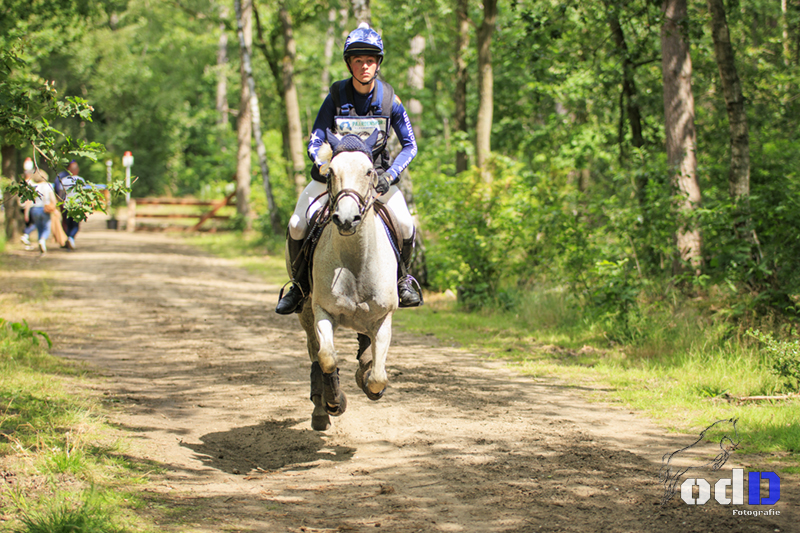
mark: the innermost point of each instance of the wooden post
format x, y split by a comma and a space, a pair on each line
131, 223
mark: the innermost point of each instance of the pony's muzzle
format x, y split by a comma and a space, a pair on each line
347, 216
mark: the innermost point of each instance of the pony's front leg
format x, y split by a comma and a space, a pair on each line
335, 400
320, 420
377, 379
324, 328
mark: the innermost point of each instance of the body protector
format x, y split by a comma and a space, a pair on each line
344, 111
378, 117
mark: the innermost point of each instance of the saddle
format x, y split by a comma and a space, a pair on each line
320, 220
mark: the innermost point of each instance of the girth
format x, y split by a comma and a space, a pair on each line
320, 220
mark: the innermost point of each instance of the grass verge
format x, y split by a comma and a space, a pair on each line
63, 467
684, 371
685, 375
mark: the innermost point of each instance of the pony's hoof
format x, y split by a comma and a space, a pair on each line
340, 408
320, 423
371, 395
360, 371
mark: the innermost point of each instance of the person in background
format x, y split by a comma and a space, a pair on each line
41, 208
25, 207
66, 181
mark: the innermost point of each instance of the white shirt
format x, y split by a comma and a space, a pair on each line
44, 194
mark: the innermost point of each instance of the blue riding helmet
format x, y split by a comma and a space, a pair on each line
363, 41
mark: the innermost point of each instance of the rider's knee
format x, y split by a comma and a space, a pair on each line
297, 227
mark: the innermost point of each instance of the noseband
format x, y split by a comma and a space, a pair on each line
363, 203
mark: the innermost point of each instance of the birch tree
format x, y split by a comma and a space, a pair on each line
294, 127
483, 128
255, 113
362, 12
222, 75
244, 132
460, 97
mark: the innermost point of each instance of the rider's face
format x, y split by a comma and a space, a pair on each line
364, 67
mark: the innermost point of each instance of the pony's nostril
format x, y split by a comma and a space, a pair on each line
356, 219
336, 220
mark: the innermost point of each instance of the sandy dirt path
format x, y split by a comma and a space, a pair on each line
213, 386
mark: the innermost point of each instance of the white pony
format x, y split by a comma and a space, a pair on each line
354, 282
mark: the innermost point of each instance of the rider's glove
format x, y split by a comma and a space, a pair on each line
382, 186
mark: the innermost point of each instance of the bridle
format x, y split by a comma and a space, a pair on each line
363, 203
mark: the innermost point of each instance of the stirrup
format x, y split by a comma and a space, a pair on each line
409, 279
298, 307
293, 282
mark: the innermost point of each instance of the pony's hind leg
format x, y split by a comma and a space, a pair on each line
376, 379
364, 357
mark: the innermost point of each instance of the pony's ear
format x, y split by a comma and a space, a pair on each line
323, 159
371, 140
332, 139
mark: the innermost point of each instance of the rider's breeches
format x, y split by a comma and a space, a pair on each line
308, 204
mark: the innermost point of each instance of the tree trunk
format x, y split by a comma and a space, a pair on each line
628, 83
679, 125
362, 12
330, 40
294, 126
416, 82
483, 128
256, 119
460, 98
244, 132
14, 222
222, 75
787, 49
739, 177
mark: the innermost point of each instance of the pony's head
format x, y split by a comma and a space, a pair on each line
351, 179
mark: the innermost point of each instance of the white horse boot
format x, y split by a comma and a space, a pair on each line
292, 301
407, 294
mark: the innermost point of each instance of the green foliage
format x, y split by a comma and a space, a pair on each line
783, 358
30, 105
64, 513
24, 332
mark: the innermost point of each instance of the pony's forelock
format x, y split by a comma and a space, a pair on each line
324, 155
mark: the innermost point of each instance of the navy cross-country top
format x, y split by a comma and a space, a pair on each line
399, 122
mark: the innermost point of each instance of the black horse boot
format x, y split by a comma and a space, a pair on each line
320, 421
292, 301
408, 295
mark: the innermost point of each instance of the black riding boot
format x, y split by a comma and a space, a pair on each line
292, 301
408, 295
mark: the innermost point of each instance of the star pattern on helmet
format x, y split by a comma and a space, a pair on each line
372, 38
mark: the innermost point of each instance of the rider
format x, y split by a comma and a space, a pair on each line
361, 95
